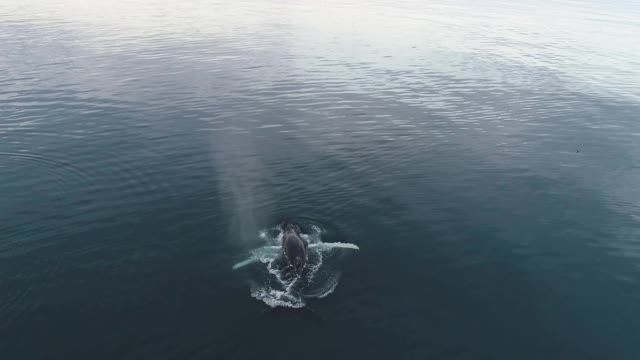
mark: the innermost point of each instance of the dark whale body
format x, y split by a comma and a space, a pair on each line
295, 248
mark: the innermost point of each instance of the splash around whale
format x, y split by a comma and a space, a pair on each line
274, 281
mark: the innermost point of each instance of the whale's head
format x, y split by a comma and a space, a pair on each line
292, 228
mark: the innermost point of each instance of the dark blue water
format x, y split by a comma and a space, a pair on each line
485, 158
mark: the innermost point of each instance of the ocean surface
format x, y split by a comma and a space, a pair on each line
467, 172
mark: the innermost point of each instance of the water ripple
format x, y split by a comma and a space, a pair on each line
144, 143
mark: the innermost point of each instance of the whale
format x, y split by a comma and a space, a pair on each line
292, 236
294, 247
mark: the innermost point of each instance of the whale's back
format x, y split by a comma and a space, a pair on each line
294, 247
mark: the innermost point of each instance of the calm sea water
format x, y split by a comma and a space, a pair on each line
485, 158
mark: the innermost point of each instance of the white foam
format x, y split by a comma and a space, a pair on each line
278, 239
313, 268
275, 298
329, 291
